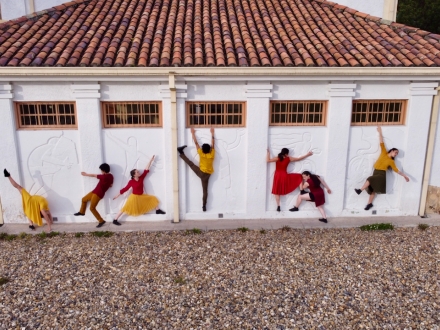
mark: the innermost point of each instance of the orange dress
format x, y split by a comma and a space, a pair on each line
283, 182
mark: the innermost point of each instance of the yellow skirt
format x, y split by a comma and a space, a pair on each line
32, 206
139, 204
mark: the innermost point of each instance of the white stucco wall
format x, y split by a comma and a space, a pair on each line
16, 8
372, 7
49, 162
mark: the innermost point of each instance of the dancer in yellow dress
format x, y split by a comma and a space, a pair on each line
138, 203
34, 207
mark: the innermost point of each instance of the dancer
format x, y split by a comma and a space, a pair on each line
205, 169
105, 182
316, 193
377, 183
34, 207
283, 182
138, 203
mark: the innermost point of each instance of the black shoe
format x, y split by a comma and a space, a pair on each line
323, 220
369, 206
159, 211
32, 227
204, 208
180, 149
294, 209
1, 224
79, 213
6, 173
100, 224
278, 209
302, 192
115, 222
358, 191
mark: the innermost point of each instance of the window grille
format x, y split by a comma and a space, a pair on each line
132, 114
39, 115
215, 114
374, 112
297, 113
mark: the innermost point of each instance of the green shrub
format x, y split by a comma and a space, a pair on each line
262, 231
3, 280
423, 226
377, 226
102, 233
42, 235
79, 234
3, 236
11, 237
53, 234
179, 280
23, 235
243, 229
285, 228
194, 231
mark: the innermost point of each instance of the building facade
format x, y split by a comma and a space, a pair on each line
84, 84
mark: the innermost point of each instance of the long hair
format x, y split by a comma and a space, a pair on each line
313, 177
132, 172
392, 149
284, 152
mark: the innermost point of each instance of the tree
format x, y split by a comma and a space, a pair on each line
423, 14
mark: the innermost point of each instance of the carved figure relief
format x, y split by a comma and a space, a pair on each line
48, 159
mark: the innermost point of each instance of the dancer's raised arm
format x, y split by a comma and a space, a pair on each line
193, 133
297, 159
149, 164
270, 160
212, 137
379, 129
89, 175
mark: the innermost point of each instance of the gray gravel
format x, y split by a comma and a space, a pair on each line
295, 279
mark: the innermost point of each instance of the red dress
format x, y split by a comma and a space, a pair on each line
318, 193
283, 182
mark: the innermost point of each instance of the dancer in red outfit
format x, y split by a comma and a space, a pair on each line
283, 182
316, 194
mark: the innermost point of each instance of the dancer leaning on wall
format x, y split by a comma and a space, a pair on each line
34, 207
205, 168
377, 183
138, 203
316, 194
283, 182
105, 182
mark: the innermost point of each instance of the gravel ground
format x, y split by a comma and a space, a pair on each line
291, 279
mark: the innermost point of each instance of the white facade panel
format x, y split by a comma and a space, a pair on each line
47, 91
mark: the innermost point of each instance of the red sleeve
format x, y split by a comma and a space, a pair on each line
143, 175
111, 179
128, 186
100, 176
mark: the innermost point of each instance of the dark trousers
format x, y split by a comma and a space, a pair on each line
202, 175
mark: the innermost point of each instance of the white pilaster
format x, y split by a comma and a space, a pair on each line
167, 114
10, 197
257, 127
338, 134
413, 157
88, 114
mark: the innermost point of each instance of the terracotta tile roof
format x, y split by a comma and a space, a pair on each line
212, 33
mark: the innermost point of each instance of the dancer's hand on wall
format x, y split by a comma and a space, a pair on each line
329, 190
310, 153
83, 173
406, 178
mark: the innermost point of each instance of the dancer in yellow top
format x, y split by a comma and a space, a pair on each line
377, 183
34, 207
205, 168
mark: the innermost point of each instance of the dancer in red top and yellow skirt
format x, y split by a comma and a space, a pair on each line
316, 194
377, 183
283, 182
34, 207
138, 203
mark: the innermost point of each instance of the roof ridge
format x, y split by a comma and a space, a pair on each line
379, 20
40, 13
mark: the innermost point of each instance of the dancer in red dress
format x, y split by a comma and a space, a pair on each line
283, 182
316, 194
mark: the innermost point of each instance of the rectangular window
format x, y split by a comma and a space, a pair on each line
374, 112
132, 114
218, 114
297, 113
39, 115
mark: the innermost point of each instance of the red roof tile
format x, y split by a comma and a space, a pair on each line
212, 33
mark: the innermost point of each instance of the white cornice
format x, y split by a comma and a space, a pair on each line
217, 73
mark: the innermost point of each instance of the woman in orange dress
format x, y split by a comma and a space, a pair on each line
34, 207
283, 182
